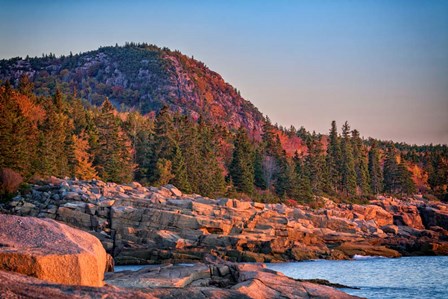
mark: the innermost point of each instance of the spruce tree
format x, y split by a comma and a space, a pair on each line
162, 144
315, 166
375, 172
407, 185
391, 173
113, 154
348, 165
212, 181
190, 145
259, 180
334, 159
361, 163
180, 179
304, 193
285, 178
241, 168
54, 140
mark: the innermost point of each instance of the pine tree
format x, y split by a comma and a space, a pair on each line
407, 185
285, 178
212, 181
361, 164
315, 166
334, 159
113, 158
348, 165
375, 172
241, 168
391, 173
180, 179
304, 192
54, 140
162, 144
189, 143
259, 180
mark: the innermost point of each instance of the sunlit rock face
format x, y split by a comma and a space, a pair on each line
51, 251
148, 225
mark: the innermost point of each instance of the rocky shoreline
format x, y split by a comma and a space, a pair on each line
70, 229
140, 225
42, 258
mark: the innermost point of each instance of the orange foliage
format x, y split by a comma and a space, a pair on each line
291, 144
30, 110
419, 176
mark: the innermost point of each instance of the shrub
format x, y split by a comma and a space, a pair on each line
9, 182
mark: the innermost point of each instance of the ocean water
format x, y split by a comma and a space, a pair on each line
401, 278
376, 277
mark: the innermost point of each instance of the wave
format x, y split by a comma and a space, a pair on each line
367, 257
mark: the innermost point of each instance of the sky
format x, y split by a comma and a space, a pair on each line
380, 65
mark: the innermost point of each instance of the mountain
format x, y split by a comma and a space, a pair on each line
62, 125
139, 76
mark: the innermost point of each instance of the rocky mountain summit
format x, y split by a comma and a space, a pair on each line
140, 225
139, 76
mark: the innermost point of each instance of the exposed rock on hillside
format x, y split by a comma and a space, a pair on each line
50, 251
145, 77
140, 225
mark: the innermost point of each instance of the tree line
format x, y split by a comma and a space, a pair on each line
62, 135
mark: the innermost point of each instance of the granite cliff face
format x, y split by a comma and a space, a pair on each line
140, 225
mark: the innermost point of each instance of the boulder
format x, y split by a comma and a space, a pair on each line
50, 251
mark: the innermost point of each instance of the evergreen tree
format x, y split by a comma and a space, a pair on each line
259, 180
315, 166
348, 165
241, 168
285, 182
334, 159
303, 188
375, 172
361, 164
190, 146
180, 179
162, 144
407, 185
391, 173
113, 158
54, 140
212, 181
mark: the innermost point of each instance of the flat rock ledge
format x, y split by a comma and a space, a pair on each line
198, 281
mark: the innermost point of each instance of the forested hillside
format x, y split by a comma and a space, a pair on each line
155, 116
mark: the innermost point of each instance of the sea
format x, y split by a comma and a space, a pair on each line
374, 277
399, 278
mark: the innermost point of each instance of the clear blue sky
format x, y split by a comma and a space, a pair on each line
381, 65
